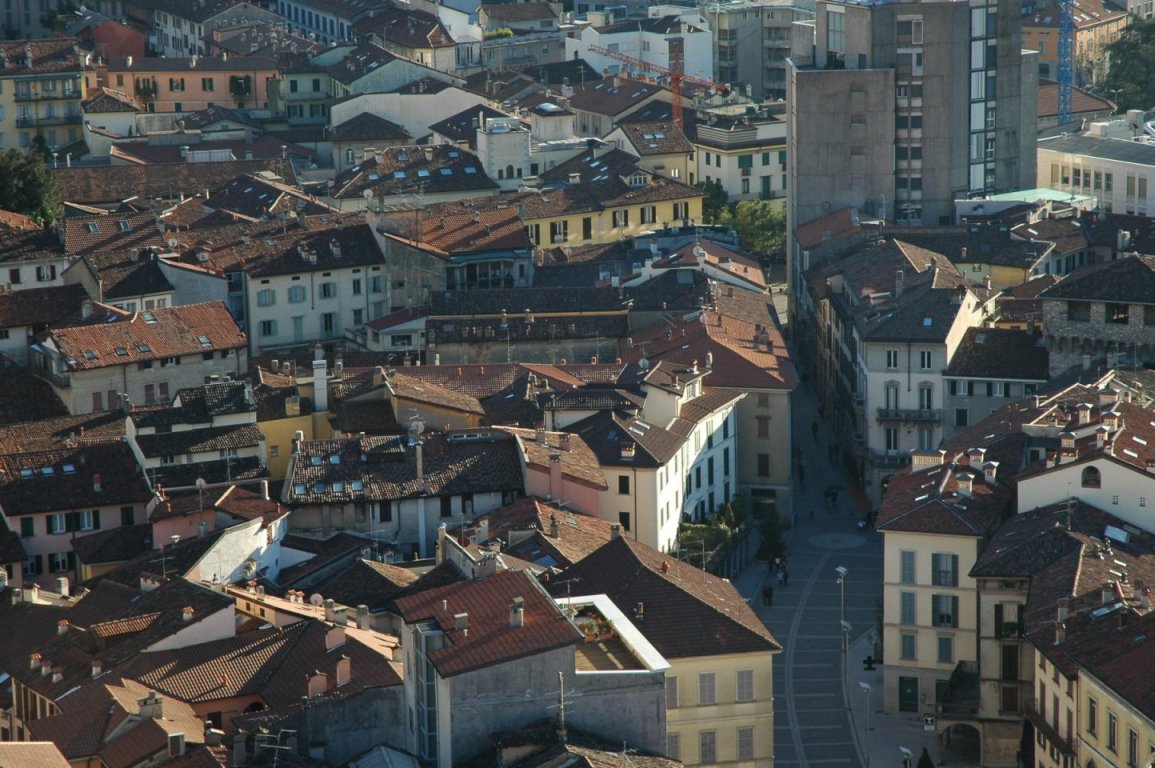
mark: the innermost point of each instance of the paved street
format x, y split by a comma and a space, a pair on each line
813, 724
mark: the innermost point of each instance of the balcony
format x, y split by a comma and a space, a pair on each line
30, 121
59, 379
45, 95
910, 414
889, 459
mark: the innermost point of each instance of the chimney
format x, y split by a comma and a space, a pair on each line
615, 531
539, 435
97, 667
1063, 609
57, 674
898, 283
96, 482
563, 441
362, 617
330, 609
344, 670
991, 472
320, 383
628, 450
1084, 411
334, 637
188, 613
1060, 633
62, 627
265, 490
34, 661
665, 566
517, 612
45, 667
555, 475
86, 309
151, 707
176, 744
965, 482
554, 530
461, 622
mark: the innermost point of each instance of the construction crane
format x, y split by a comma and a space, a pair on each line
1066, 58
677, 77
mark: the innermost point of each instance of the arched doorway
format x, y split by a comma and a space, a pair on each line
961, 743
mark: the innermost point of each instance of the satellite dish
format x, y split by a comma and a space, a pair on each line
316, 599
416, 427
644, 364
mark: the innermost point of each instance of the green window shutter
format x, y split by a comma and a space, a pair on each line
96, 519
38, 564
71, 560
27, 527
69, 522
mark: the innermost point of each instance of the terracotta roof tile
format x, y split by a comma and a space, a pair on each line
490, 639
39, 306
110, 184
83, 476
577, 460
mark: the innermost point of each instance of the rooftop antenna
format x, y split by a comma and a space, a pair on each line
268, 741
562, 736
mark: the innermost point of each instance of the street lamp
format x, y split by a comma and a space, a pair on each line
842, 571
1115, 91
866, 735
907, 755
845, 655
200, 483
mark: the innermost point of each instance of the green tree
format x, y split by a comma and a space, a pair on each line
761, 227
714, 206
1132, 66
26, 186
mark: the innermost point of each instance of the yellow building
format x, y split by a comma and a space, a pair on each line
41, 88
1097, 25
719, 699
604, 196
934, 519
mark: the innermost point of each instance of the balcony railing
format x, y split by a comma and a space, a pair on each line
46, 95
890, 459
59, 379
909, 414
29, 121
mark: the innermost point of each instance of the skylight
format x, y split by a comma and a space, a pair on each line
446, 171
69, 469
148, 317
398, 174
93, 228
299, 488
89, 354
422, 173
470, 169
316, 460
144, 348
357, 485
125, 226
338, 486
27, 473
121, 352
204, 340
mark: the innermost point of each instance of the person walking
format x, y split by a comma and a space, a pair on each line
768, 595
785, 578
814, 430
781, 576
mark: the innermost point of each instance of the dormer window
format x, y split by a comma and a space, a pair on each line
1092, 478
637, 180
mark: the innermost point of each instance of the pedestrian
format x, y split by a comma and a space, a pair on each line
768, 595
781, 577
785, 578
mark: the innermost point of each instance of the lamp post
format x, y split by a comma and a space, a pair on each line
201, 492
866, 732
505, 327
907, 756
1115, 104
842, 571
845, 655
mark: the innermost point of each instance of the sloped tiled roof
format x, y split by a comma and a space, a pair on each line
105, 184
399, 170
577, 460
369, 127
106, 100
70, 483
490, 639
152, 335
366, 582
999, 353
39, 306
1130, 280
526, 530
688, 612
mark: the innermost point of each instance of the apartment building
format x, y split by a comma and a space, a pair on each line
179, 29
193, 83
752, 43
1119, 172
1097, 25
42, 85
937, 102
719, 702
662, 41
116, 357
744, 152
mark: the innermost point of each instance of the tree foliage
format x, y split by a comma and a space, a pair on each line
715, 203
761, 227
26, 186
1132, 66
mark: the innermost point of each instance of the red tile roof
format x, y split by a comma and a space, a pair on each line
39, 306
151, 335
489, 638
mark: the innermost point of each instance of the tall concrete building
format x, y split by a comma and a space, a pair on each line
896, 109
752, 42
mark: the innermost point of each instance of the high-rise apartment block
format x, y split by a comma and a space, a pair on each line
897, 109
752, 42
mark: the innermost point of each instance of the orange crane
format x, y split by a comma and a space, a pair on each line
675, 74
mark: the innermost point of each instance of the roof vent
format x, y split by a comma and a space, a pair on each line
461, 622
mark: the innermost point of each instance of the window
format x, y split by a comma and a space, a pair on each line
1079, 311
1092, 478
1092, 716
624, 485
447, 506
925, 397
907, 649
945, 649
1132, 748
745, 685
763, 465
621, 219
208, 84
763, 426
707, 747
944, 610
961, 417
58, 562
944, 570
1112, 732
328, 290
706, 692
673, 746
906, 566
681, 210
87, 521
671, 693
266, 297
268, 328
558, 231
297, 294
624, 520
891, 438
328, 323
746, 743
1118, 314
27, 527
925, 358
356, 286
127, 516
34, 566
907, 608
892, 359
57, 523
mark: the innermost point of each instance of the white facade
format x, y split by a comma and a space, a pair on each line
503, 147
1123, 490
1119, 172
749, 163
34, 273
300, 308
414, 112
651, 47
